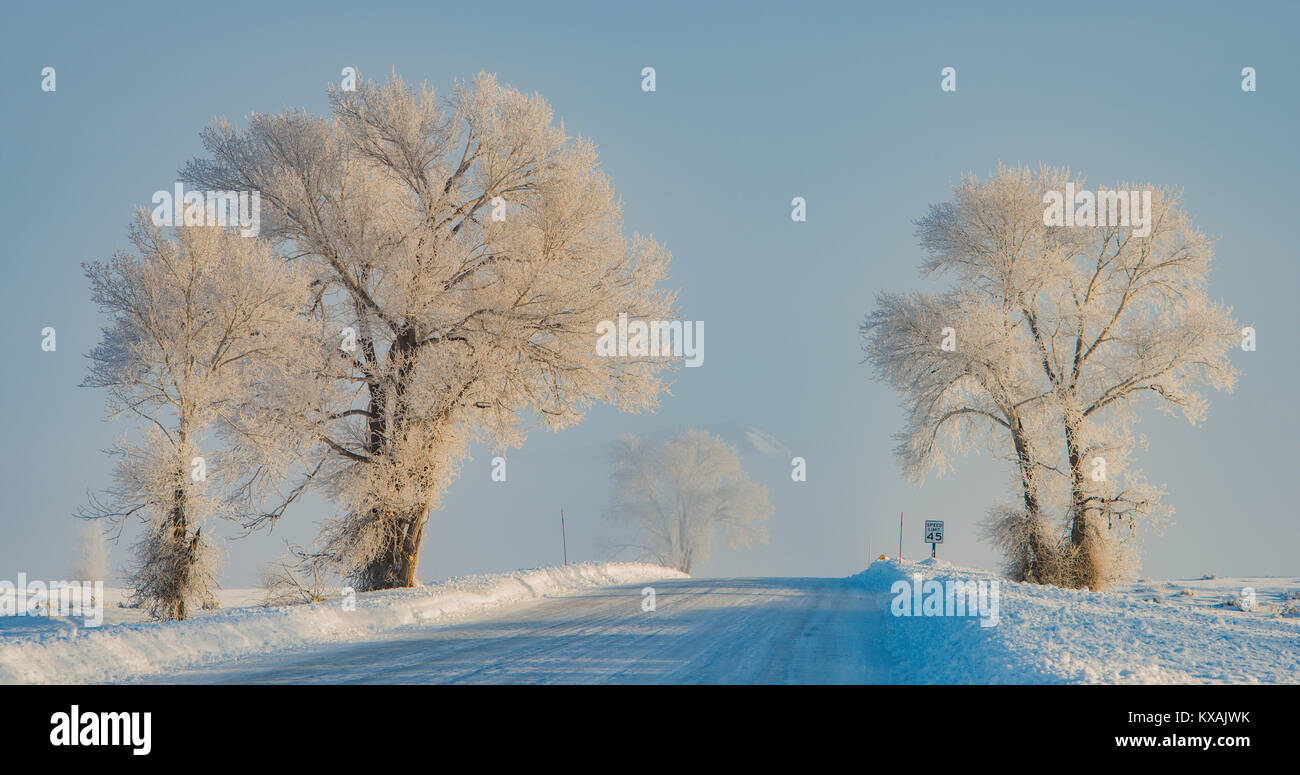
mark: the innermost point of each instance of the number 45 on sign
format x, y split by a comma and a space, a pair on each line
933, 534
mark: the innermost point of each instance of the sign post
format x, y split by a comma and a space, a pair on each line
933, 535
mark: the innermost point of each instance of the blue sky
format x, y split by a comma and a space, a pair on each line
755, 104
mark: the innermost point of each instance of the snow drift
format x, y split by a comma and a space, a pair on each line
115, 653
1169, 633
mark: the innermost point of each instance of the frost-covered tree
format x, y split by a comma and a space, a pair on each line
1103, 317
462, 252
677, 495
194, 327
979, 392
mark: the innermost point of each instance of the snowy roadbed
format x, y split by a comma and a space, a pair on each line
1168, 632
120, 652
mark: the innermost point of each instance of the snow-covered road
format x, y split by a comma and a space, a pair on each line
768, 630
584, 623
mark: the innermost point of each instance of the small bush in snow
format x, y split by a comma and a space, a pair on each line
1239, 603
296, 578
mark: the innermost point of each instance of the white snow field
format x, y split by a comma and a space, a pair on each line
1175, 632
588, 624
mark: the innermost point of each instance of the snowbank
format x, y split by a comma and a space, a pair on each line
1145, 633
112, 653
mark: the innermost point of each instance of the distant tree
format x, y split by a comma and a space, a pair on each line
194, 326
1076, 326
465, 249
678, 495
90, 558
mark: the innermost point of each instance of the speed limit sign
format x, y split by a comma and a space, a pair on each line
933, 533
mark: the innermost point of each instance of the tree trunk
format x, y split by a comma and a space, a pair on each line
183, 554
683, 540
176, 601
1037, 563
396, 564
1085, 539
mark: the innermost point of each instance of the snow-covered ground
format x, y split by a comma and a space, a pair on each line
1147, 632
590, 624
117, 610
46, 650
